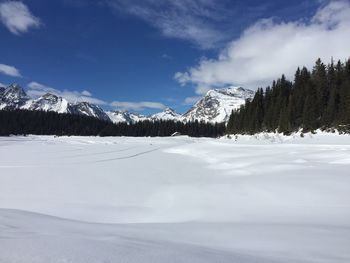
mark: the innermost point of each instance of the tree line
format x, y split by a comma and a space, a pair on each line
319, 98
23, 122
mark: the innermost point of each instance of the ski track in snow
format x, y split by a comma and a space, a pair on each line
265, 198
129, 156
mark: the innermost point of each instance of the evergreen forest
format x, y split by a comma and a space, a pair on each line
316, 99
24, 122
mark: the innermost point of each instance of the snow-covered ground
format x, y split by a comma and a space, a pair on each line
255, 199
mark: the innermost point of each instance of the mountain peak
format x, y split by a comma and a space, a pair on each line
49, 96
217, 104
230, 91
166, 114
89, 109
48, 102
168, 109
12, 97
14, 86
118, 116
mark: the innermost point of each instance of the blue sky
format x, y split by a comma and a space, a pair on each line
143, 55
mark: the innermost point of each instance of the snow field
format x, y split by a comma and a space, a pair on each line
263, 199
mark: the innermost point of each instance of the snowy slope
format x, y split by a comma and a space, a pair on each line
190, 200
56, 240
125, 116
119, 116
48, 102
217, 105
129, 117
89, 109
12, 97
167, 114
35, 238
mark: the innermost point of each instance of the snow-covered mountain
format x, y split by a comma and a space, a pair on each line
48, 102
89, 109
167, 114
119, 116
12, 97
129, 117
217, 104
125, 116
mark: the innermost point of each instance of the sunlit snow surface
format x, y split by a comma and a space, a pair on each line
103, 200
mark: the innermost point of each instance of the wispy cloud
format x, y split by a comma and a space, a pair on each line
191, 20
137, 106
166, 56
191, 100
17, 18
85, 57
9, 70
269, 48
36, 89
3, 85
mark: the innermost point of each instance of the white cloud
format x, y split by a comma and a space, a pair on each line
17, 18
137, 106
86, 93
192, 20
9, 70
3, 85
36, 89
191, 100
268, 49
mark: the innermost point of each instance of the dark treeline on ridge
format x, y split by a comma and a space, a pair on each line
23, 122
316, 99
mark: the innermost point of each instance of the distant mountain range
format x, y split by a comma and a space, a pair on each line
215, 106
